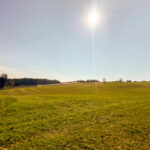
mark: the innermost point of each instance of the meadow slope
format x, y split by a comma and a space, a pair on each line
76, 116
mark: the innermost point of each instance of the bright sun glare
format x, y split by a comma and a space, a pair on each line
93, 18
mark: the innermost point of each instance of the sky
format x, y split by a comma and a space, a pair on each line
53, 39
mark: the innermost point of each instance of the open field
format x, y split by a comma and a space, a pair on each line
76, 116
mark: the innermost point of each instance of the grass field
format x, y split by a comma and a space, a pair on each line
76, 116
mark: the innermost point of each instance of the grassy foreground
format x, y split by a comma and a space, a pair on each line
76, 116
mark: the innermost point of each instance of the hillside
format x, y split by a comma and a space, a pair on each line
76, 116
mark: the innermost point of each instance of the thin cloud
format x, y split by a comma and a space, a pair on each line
10, 71
13, 73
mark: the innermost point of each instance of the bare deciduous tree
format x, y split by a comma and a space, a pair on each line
104, 80
3, 80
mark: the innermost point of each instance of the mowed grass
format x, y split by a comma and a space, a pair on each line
76, 116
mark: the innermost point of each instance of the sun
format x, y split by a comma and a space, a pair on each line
93, 18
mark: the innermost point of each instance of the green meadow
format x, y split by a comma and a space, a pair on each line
91, 116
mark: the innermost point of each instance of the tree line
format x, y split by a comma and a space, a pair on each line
86, 81
4, 81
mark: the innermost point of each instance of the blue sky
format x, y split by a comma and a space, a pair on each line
52, 39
